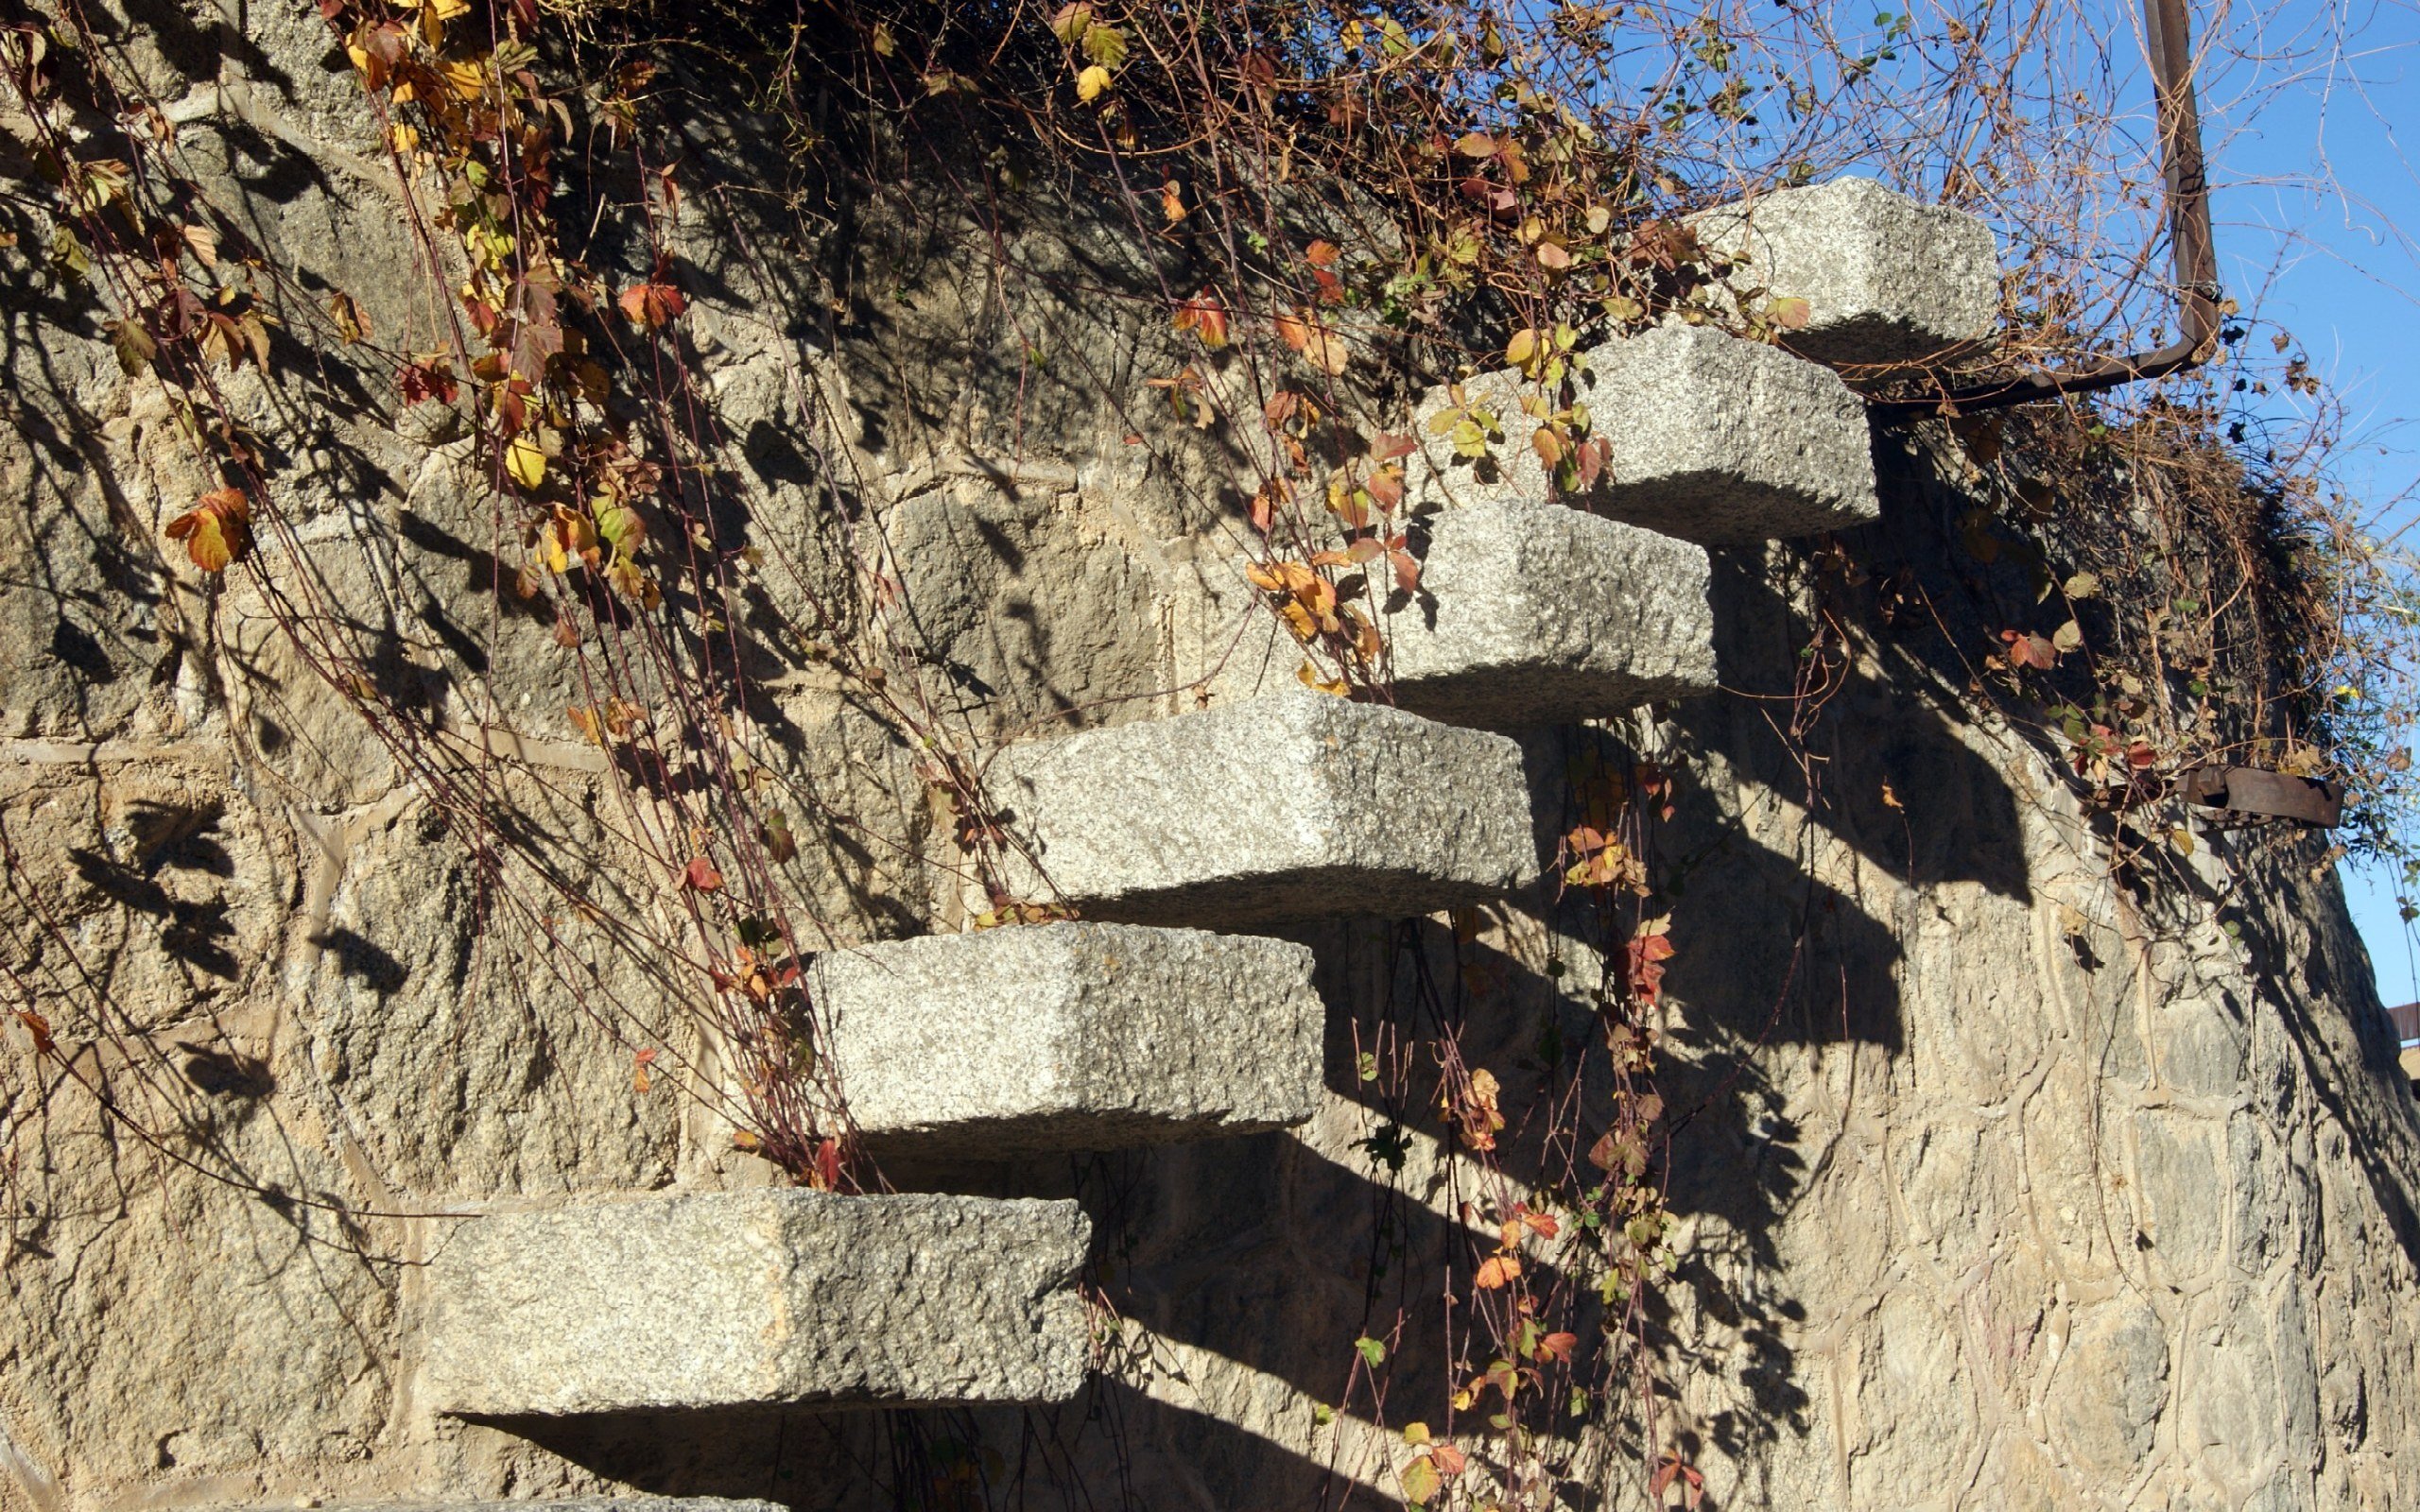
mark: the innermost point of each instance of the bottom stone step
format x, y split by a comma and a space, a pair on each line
1046, 1037
737, 1299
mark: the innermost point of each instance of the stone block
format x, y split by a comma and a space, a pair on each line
1888, 280
1714, 438
1532, 613
725, 1300
1290, 806
1060, 1037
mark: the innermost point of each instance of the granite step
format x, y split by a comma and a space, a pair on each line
729, 1300
1709, 437
1532, 613
1040, 1039
1282, 808
1888, 280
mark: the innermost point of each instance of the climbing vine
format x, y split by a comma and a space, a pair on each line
1354, 204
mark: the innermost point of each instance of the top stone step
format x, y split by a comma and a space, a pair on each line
1888, 280
1283, 808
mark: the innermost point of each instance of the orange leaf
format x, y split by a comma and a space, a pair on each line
1448, 1460
40, 1028
1559, 1346
701, 874
1322, 254
1497, 1270
218, 531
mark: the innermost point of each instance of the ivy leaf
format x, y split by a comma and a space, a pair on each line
135, 349
702, 876
1374, 1353
1496, 1271
352, 322
653, 304
2068, 637
1790, 314
779, 843
1105, 45
1449, 1461
526, 462
1071, 23
40, 1028
1476, 145
218, 531
1420, 1481
1091, 82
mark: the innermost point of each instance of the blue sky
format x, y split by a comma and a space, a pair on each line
2312, 182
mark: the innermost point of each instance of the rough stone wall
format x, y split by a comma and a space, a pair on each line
2010, 1187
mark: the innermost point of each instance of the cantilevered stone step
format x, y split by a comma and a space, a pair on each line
1533, 613
1281, 808
1061, 1037
726, 1301
1888, 280
1713, 439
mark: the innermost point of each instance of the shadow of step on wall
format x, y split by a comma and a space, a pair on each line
1714, 438
1287, 807
1887, 280
725, 1300
1038, 1039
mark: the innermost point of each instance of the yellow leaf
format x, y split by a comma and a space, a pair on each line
1523, 345
1091, 82
1309, 677
527, 464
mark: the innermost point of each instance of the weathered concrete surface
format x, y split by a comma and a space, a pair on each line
1532, 613
1888, 280
1714, 439
1285, 807
699, 1301
1060, 1037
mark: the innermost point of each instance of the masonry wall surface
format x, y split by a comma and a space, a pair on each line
2008, 1187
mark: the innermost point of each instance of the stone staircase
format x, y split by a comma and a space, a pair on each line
1137, 1027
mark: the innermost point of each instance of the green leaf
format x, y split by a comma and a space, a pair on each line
1419, 1481
2083, 585
1373, 1353
1105, 45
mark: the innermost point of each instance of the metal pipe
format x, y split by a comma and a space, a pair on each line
2193, 254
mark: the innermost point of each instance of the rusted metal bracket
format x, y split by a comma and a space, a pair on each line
2269, 795
2193, 252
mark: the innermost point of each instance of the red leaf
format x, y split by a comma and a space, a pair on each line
1449, 1461
701, 874
652, 304
1388, 445
1558, 1346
